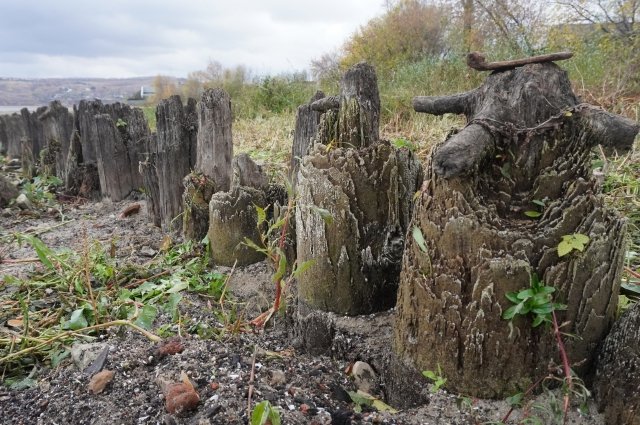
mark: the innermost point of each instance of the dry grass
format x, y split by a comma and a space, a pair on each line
266, 139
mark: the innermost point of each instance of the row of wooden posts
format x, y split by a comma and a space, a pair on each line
444, 244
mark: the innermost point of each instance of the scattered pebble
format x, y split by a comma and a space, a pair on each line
364, 376
100, 380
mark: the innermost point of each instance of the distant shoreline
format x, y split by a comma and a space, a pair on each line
8, 110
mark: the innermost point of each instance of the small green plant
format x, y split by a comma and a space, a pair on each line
536, 299
89, 291
403, 143
436, 377
540, 205
272, 245
265, 414
41, 189
576, 241
362, 399
120, 123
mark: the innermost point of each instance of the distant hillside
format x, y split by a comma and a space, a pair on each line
14, 91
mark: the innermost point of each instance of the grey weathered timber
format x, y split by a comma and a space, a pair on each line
33, 129
368, 193
198, 189
214, 142
149, 173
488, 114
617, 381
15, 131
306, 128
534, 143
57, 127
27, 158
124, 135
172, 157
355, 122
81, 177
245, 172
4, 139
8, 191
232, 218
116, 181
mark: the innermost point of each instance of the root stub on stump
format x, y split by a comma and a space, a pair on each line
480, 244
368, 193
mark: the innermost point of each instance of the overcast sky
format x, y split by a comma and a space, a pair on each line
125, 38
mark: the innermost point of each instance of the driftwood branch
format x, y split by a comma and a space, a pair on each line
477, 61
440, 105
613, 132
326, 103
463, 151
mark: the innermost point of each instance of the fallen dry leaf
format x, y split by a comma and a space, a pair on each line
100, 380
181, 398
169, 347
130, 210
15, 323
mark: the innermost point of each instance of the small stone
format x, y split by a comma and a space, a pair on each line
364, 376
85, 354
278, 378
147, 251
23, 202
169, 347
100, 380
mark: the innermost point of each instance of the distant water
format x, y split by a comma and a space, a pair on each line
12, 109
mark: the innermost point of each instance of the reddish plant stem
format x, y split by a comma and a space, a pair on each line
565, 363
526, 393
281, 242
632, 273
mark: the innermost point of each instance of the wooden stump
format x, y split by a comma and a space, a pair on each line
8, 191
125, 134
232, 218
57, 128
526, 140
617, 380
245, 172
172, 158
15, 130
149, 173
305, 131
368, 193
351, 119
4, 139
27, 158
214, 142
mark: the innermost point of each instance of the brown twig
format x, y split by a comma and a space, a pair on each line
526, 393
477, 61
141, 281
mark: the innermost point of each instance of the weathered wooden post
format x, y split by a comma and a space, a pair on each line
173, 157
366, 187
214, 151
113, 137
57, 127
306, 128
527, 142
617, 380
